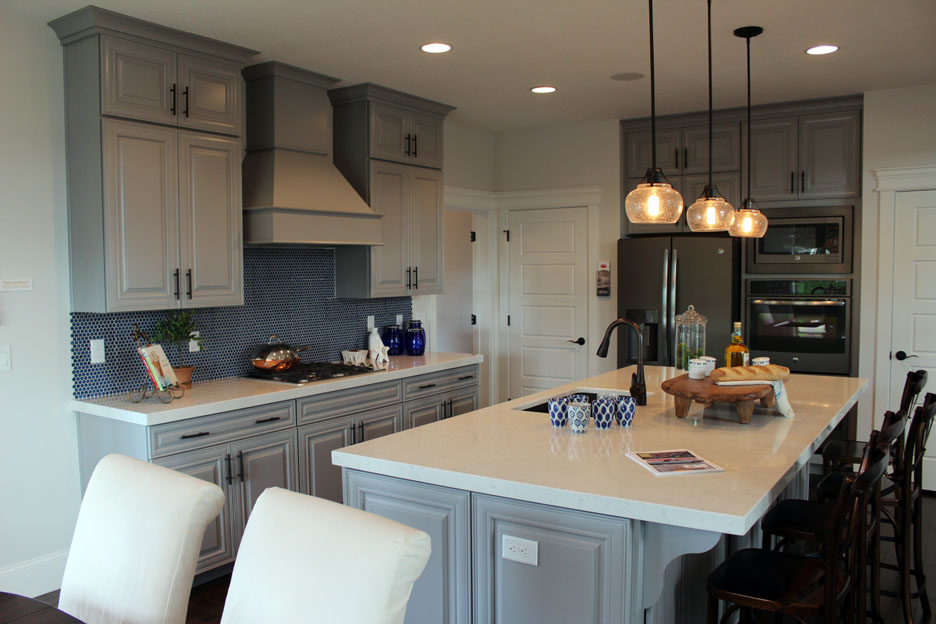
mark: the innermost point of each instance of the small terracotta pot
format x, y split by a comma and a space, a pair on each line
184, 375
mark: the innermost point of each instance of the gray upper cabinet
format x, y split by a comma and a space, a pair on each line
210, 220
685, 150
426, 256
427, 140
138, 81
806, 157
390, 263
389, 139
154, 210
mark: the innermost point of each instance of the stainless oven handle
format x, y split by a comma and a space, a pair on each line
799, 302
672, 304
664, 334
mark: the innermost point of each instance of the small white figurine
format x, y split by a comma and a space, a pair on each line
377, 355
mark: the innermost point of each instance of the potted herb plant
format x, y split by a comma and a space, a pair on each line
178, 328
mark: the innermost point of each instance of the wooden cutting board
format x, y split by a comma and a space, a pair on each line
706, 392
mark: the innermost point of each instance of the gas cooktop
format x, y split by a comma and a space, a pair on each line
313, 371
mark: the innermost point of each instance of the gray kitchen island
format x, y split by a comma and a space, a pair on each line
535, 524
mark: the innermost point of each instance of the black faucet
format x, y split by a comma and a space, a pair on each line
638, 387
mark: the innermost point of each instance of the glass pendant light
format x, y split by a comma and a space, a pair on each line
749, 222
710, 212
654, 200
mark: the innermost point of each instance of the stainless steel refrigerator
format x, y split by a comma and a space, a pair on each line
660, 276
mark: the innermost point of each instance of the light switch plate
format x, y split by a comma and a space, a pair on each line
399, 319
192, 345
370, 323
6, 359
520, 550
97, 351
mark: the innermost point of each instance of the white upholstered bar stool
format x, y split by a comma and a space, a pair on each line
133, 556
304, 559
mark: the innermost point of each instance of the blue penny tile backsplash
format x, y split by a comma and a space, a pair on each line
288, 291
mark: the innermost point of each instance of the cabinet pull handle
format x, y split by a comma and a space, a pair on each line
175, 274
466, 377
185, 93
260, 421
409, 278
172, 107
352, 434
361, 427
685, 160
443, 407
200, 434
240, 459
792, 181
188, 276
424, 386
227, 460
416, 278
676, 158
451, 410
415, 147
408, 137
802, 181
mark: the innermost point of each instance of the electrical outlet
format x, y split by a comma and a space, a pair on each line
192, 345
520, 550
399, 320
6, 359
370, 323
97, 351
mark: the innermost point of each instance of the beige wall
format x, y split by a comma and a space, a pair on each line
39, 489
579, 154
469, 157
899, 131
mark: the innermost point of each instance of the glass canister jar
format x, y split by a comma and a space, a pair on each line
690, 337
393, 338
415, 338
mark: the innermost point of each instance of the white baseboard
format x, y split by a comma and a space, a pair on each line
34, 577
929, 473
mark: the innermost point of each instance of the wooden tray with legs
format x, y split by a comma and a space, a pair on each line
706, 392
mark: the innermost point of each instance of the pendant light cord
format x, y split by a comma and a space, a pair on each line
653, 142
749, 172
710, 94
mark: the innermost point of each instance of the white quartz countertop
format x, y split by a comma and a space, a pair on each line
503, 451
222, 395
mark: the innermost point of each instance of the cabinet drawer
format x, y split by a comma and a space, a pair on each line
200, 432
341, 402
424, 385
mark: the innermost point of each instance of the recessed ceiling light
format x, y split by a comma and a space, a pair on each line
543, 89
822, 49
435, 48
627, 76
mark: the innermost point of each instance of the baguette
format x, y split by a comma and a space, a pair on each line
771, 372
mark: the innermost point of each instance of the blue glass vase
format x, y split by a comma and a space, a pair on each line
415, 338
393, 339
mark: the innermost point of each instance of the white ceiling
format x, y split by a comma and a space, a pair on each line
503, 47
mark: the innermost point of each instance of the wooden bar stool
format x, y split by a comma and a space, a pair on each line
795, 585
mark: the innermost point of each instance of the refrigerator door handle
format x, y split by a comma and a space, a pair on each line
664, 315
672, 305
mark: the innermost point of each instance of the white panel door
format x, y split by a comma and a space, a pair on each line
548, 252
456, 334
913, 329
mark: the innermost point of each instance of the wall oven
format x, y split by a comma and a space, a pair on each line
804, 324
803, 240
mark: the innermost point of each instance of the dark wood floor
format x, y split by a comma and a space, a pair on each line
207, 600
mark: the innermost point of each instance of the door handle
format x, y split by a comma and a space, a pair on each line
900, 356
579, 341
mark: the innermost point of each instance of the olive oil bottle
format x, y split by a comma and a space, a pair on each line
737, 352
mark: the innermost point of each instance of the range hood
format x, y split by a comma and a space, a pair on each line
293, 194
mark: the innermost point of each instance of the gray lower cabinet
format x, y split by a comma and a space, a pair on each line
243, 470
441, 595
806, 157
578, 576
441, 406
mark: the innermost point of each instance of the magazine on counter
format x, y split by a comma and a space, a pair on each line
674, 462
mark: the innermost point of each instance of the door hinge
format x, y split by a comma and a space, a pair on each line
507, 232
508, 320
474, 319
474, 236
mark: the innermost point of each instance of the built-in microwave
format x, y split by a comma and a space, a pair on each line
803, 240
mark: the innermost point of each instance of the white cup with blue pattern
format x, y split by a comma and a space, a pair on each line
626, 408
604, 412
578, 398
558, 411
579, 413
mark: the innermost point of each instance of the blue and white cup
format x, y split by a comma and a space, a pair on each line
697, 368
558, 411
761, 361
579, 413
578, 398
604, 411
627, 406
